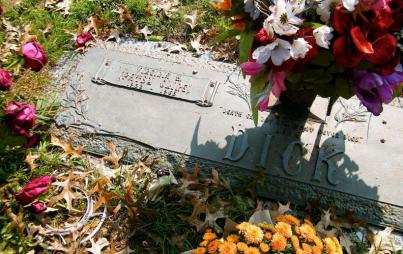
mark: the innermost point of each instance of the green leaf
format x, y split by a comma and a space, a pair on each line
323, 59
256, 87
343, 87
398, 90
312, 75
312, 25
245, 45
155, 38
224, 35
294, 77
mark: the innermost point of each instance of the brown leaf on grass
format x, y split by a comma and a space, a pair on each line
346, 243
382, 242
100, 185
95, 23
124, 14
30, 161
16, 220
67, 192
68, 148
190, 177
191, 20
96, 247
113, 156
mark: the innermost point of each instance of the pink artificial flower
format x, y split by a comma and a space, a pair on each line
38, 207
5, 80
1, 10
252, 68
83, 38
20, 117
35, 56
33, 189
374, 5
277, 87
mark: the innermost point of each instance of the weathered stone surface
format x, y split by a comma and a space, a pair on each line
176, 106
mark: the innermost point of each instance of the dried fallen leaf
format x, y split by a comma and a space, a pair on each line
96, 247
68, 148
382, 242
67, 192
95, 23
192, 19
30, 161
346, 243
146, 32
196, 44
113, 156
124, 15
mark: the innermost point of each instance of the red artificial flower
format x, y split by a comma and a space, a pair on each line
262, 38
33, 189
365, 38
35, 56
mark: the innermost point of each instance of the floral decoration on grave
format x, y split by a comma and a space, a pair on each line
302, 48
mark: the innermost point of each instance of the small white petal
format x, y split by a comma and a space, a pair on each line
299, 48
262, 54
350, 4
323, 35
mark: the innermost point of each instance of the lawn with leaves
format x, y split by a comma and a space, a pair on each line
136, 206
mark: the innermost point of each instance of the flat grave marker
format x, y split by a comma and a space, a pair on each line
200, 108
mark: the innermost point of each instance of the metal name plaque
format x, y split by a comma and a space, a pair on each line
152, 102
157, 81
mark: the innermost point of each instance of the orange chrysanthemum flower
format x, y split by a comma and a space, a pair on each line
199, 250
284, 229
204, 243
267, 236
208, 236
307, 231
295, 242
332, 245
224, 5
252, 250
264, 247
228, 248
317, 242
278, 242
252, 233
242, 246
213, 246
288, 219
316, 250
233, 238
268, 227
307, 248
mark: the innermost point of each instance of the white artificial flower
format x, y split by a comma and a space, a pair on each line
283, 18
325, 7
297, 6
278, 51
268, 27
350, 4
323, 35
251, 9
299, 48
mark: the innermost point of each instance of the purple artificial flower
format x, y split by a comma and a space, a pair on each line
374, 89
38, 207
5, 80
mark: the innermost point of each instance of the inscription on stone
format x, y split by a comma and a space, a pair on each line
158, 81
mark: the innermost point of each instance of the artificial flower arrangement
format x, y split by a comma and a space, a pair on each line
331, 48
288, 234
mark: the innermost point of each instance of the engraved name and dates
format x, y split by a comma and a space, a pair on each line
158, 81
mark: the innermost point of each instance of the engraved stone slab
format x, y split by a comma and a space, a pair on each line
200, 108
